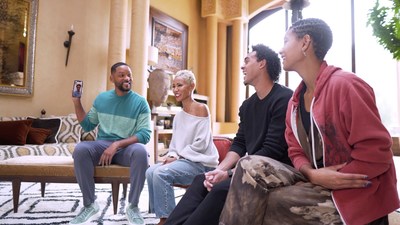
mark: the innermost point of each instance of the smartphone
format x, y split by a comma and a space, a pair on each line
77, 89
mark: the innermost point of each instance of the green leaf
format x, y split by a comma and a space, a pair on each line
385, 29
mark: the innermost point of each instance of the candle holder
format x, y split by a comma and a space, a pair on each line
68, 43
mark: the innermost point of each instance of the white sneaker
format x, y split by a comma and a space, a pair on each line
85, 214
133, 215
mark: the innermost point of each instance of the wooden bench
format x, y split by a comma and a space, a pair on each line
57, 169
60, 169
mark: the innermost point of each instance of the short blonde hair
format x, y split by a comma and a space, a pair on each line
186, 75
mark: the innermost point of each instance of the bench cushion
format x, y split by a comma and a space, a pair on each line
60, 149
39, 160
55, 166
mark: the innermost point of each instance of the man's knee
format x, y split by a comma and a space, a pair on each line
219, 192
220, 189
198, 179
80, 151
138, 150
197, 186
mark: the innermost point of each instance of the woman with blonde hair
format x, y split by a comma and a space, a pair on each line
191, 151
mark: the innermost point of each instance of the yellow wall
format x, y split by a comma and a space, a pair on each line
87, 61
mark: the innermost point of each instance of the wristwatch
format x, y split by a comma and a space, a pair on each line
230, 173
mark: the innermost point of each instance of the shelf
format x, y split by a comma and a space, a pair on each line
166, 111
165, 131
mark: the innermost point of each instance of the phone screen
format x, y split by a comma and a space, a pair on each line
77, 89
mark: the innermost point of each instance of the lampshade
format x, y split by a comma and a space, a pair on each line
298, 4
152, 56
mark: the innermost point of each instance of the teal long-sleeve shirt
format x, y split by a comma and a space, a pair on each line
119, 117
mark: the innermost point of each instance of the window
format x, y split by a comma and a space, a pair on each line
377, 67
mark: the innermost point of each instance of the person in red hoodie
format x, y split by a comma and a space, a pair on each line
343, 163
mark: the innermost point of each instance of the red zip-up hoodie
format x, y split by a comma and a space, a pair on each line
344, 111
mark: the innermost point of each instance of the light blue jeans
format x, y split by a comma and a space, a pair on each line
160, 178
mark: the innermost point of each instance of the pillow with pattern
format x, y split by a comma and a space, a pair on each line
70, 129
89, 136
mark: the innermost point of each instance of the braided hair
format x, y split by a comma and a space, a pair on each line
319, 31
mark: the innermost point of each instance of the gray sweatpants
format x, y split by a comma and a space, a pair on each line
87, 155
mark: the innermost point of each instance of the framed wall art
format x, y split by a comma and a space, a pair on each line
170, 36
17, 46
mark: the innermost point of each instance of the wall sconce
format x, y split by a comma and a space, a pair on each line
68, 43
152, 58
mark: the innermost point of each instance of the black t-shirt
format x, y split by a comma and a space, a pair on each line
305, 119
262, 125
305, 116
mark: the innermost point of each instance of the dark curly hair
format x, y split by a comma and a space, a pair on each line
273, 61
319, 31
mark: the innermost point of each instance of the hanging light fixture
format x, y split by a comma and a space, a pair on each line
297, 7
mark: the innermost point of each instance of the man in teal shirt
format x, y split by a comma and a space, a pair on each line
123, 120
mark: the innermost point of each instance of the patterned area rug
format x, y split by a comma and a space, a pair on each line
62, 202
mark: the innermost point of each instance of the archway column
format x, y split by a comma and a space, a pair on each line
237, 57
211, 65
117, 35
138, 51
219, 14
221, 73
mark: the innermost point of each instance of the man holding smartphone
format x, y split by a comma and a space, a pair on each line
123, 120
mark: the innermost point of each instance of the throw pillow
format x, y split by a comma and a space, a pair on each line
48, 123
89, 136
12, 118
70, 130
37, 136
14, 132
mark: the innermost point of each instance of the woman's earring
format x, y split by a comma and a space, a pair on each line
304, 53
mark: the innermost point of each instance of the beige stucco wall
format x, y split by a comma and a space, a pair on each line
256, 6
87, 60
